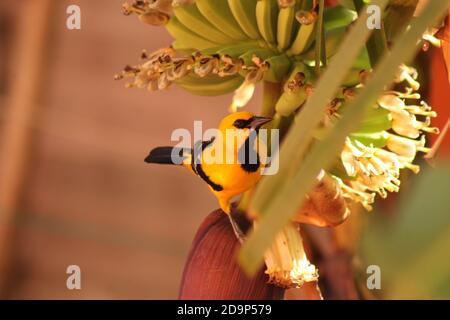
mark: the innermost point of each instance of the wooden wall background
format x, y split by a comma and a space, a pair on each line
85, 196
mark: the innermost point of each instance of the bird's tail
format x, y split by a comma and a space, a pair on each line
168, 155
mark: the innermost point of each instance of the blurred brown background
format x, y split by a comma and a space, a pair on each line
73, 186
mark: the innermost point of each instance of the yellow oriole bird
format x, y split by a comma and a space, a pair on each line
225, 179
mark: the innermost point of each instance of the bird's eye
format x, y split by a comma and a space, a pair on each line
241, 123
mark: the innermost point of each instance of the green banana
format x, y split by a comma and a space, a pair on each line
244, 13
185, 38
375, 120
181, 49
304, 39
237, 50
336, 19
192, 19
335, 22
266, 18
375, 139
210, 85
287, 26
279, 66
289, 101
219, 14
211, 51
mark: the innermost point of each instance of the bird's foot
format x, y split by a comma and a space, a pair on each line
237, 230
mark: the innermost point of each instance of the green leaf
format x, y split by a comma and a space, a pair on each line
284, 204
377, 43
347, 3
398, 16
338, 17
376, 139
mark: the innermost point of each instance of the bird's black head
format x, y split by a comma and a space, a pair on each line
242, 120
251, 123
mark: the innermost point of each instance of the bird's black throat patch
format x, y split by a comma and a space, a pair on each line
246, 154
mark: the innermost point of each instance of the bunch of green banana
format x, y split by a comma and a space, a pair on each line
185, 38
244, 13
219, 14
266, 18
191, 17
287, 26
269, 34
210, 85
294, 92
306, 18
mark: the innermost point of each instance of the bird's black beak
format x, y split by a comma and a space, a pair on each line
258, 122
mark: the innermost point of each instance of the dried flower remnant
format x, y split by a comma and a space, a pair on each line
286, 260
286, 3
156, 13
245, 92
163, 67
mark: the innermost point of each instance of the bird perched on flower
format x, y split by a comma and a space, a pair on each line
224, 46
229, 163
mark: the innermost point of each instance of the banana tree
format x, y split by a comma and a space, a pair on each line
341, 93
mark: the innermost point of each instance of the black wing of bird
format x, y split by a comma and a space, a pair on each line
196, 165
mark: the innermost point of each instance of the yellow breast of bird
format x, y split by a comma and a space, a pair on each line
225, 171
232, 177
